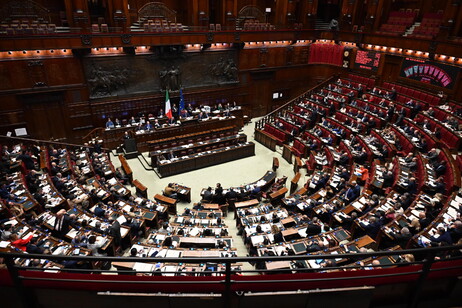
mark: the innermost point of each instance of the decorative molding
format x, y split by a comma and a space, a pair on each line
237, 36
35, 63
210, 36
86, 39
126, 38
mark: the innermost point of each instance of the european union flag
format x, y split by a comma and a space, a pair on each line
181, 107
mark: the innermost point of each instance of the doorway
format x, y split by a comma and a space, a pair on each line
44, 115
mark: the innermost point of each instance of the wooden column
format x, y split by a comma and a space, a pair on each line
80, 15
291, 15
450, 20
118, 13
381, 14
229, 14
371, 15
281, 14
69, 12
458, 22
346, 15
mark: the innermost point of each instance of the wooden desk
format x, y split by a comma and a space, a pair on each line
126, 168
248, 203
294, 182
170, 202
112, 138
288, 221
287, 153
141, 189
202, 242
266, 139
211, 206
297, 164
275, 163
183, 192
206, 159
278, 194
275, 265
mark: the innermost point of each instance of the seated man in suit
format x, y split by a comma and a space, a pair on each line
109, 123
171, 155
207, 195
402, 238
171, 121
314, 227
373, 227
157, 124
148, 126
440, 169
62, 224
344, 158
202, 116
184, 114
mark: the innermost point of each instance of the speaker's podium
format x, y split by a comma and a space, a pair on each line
130, 148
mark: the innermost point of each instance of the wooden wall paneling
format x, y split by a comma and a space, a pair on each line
281, 14
45, 115
391, 68
457, 27
229, 14
80, 14
379, 17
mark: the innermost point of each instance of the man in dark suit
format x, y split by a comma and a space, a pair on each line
373, 227
388, 179
402, 238
343, 160
28, 161
208, 196
344, 174
34, 246
99, 211
313, 227
114, 231
412, 186
440, 169
356, 189
62, 223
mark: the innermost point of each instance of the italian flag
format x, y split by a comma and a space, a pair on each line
168, 108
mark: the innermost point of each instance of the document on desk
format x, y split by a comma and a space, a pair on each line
302, 232
169, 268
72, 233
143, 267
452, 212
124, 231
121, 219
171, 253
53, 269
257, 239
194, 232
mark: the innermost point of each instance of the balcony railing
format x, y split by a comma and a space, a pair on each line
429, 266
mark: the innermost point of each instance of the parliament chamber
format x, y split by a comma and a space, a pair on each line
231, 153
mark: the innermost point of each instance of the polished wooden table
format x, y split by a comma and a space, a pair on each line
206, 159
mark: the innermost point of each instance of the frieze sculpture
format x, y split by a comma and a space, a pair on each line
224, 70
104, 82
170, 79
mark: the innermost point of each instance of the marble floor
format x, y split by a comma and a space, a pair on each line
234, 173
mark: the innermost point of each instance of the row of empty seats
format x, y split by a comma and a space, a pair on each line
429, 27
397, 23
26, 28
